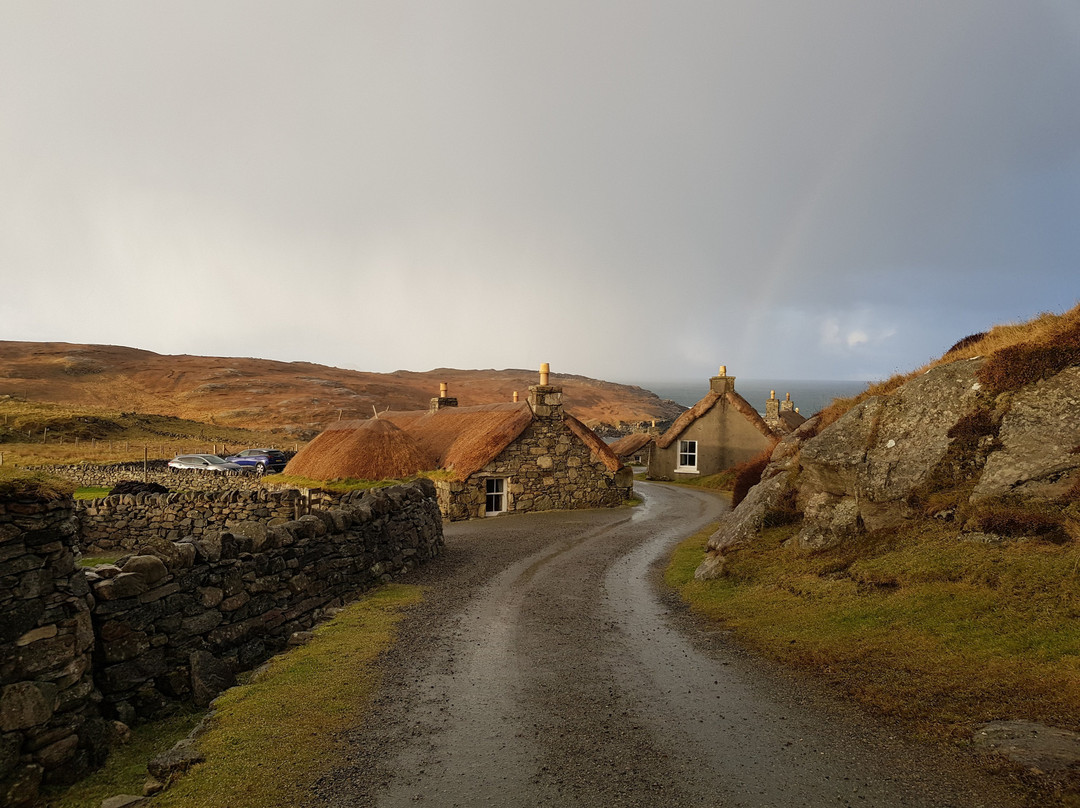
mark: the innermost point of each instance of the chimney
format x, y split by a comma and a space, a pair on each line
772, 408
515, 396
443, 400
722, 383
787, 405
545, 399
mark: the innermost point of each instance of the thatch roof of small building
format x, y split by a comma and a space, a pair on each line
711, 399
459, 439
630, 444
365, 450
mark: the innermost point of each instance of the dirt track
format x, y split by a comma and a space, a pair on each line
546, 668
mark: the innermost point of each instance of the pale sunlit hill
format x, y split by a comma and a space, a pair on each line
262, 393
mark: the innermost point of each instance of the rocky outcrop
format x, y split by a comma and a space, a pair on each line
884, 461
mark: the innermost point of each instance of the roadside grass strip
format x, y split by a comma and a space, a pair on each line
916, 625
125, 770
272, 737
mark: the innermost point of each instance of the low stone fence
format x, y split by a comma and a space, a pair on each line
157, 471
50, 727
126, 521
176, 620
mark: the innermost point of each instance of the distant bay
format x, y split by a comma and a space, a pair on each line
809, 396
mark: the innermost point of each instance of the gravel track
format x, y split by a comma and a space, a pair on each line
545, 667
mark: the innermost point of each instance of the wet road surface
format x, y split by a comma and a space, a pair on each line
546, 667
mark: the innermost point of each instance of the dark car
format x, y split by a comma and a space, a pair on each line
260, 459
203, 462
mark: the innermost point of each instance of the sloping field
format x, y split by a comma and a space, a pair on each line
262, 393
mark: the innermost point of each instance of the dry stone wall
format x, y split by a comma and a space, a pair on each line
175, 620
157, 471
50, 730
179, 619
126, 521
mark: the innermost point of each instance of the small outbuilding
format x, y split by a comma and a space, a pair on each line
496, 458
718, 432
634, 448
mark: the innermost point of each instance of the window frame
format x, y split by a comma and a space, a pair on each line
502, 494
687, 453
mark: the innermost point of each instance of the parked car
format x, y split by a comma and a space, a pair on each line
203, 462
261, 460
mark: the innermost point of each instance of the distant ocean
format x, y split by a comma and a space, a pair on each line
808, 396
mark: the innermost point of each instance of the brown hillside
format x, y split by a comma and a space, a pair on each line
261, 393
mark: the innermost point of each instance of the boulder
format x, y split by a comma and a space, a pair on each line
1037, 436
209, 676
744, 523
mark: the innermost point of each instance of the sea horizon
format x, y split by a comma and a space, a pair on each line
808, 395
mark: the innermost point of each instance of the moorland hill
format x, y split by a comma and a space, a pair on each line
263, 394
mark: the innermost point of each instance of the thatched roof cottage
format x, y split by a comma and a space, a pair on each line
510, 457
718, 432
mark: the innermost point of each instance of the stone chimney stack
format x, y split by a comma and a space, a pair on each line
787, 405
772, 408
545, 399
443, 399
722, 383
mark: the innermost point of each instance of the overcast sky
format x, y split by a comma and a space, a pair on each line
629, 190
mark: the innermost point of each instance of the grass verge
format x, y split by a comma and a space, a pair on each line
273, 736
125, 770
917, 625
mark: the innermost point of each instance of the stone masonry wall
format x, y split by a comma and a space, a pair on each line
126, 521
179, 619
86, 474
176, 620
49, 725
547, 468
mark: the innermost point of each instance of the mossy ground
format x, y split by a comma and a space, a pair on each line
918, 625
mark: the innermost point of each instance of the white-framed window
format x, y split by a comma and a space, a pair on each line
495, 495
687, 456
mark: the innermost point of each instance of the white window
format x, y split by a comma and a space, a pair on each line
495, 491
687, 456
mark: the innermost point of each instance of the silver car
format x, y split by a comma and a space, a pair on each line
203, 462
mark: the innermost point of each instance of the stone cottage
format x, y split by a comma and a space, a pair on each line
718, 432
497, 458
782, 417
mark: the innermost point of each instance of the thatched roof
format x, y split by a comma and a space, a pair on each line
464, 439
630, 444
600, 450
363, 450
712, 398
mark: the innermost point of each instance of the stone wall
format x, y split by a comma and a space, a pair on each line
179, 619
126, 521
547, 468
157, 471
174, 621
49, 725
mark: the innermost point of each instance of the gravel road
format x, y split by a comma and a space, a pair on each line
546, 667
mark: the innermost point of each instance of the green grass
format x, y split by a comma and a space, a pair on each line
125, 770
917, 625
102, 558
92, 492
341, 486
273, 736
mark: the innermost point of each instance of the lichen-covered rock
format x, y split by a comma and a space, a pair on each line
885, 448
828, 521
1037, 437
